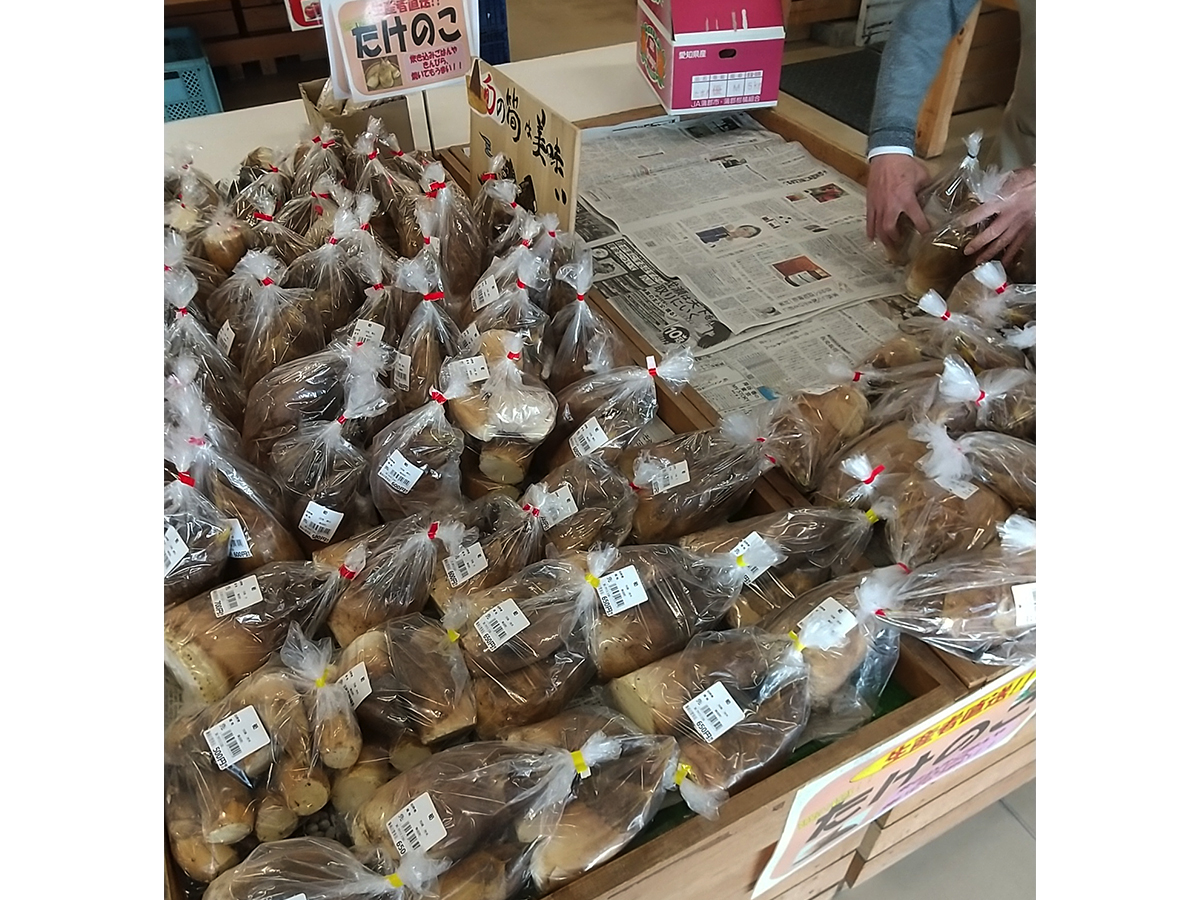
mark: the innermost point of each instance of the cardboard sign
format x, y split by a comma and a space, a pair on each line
387, 48
303, 14
863, 789
542, 145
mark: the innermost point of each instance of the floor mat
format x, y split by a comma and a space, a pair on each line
841, 86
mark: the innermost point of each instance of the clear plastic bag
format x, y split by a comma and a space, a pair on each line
815, 542
430, 336
223, 240
337, 739
607, 412
179, 166
501, 271
327, 274
321, 156
654, 597
398, 196
227, 305
496, 203
948, 194
569, 248
260, 171
1024, 339
432, 678
267, 234
514, 311
461, 245
273, 329
365, 666
1006, 464
415, 463
737, 702
311, 213
870, 467
1005, 400
208, 277
809, 427
586, 505
578, 342
922, 400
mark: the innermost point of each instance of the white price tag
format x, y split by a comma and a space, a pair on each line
713, 712
651, 364
357, 684
500, 623
298, 897
560, 506
366, 330
225, 337
621, 590
399, 473
485, 292
239, 547
474, 368
417, 826
467, 563
233, 597
469, 336
837, 616
236, 737
435, 244
752, 541
403, 370
320, 523
1025, 598
963, 490
588, 438
174, 549
671, 477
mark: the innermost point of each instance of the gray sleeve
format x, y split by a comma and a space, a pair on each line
920, 34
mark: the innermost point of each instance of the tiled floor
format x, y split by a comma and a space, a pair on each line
993, 852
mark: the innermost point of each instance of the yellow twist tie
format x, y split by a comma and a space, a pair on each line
681, 773
394, 880
592, 580
796, 640
872, 516
452, 634
741, 560
580, 765
320, 682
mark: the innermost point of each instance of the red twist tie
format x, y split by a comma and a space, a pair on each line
514, 355
857, 375
524, 242
333, 240
946, 316
273, 169
341, 420
377, 287
436, 295
979, 399
366, 226
320, 210
425, 239
359, 343
316, 139
532, 510
432, 531
880, 612
1002, 288
553, 234
874, 474
196, 441
348, 574
437, 395
653, 373
907, 570
187, 479
396, 153
267, 282
182, 310
372, 154
264, 217
513, 205
325, 145
166, 268
634, 486
579, 297
521, 285
434, 187
487, 176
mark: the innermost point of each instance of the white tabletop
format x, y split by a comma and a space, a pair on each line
580, 85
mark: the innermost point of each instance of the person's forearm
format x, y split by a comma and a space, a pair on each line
919, 36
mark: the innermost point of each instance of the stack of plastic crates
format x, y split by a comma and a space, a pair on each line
189, 87
493, 31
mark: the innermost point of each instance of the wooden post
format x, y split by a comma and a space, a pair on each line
933, 123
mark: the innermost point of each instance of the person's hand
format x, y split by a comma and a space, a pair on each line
1013, 221
892, 187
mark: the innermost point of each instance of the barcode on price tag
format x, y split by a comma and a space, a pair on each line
236, 737
417, 826
320, 523
621, 590
752, 541
713, 712
239, 595
366, 330
500, 623
225, 337
239, 547
1025, 599
474, 368
963, 490
174, 549
670, 477
484, 292
469, 336
559, 506
467, 563
357, 684
588, 438
829, 610
399, 473
403, 371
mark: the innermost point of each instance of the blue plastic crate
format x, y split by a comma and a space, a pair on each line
493, 31
188, 86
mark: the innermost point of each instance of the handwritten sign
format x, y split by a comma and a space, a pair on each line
542, 145
303, 14
388, 48
863, 789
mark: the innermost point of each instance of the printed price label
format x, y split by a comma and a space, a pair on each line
752, 541
621, 590
236, 737
671, 477
435, 244
174, 549
403, 371
560, 506
417, 826
474, 368
1025, 598
713, 712
239, 547
239, 595
357, 684
834, 614
467, 563
225, 337
588, 438
366, 330
500, 623
399, 473
963, 490
320, 523
469, 336
485, 292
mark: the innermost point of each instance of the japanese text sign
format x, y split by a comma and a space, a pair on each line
387, 48
863, 789
542, 145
